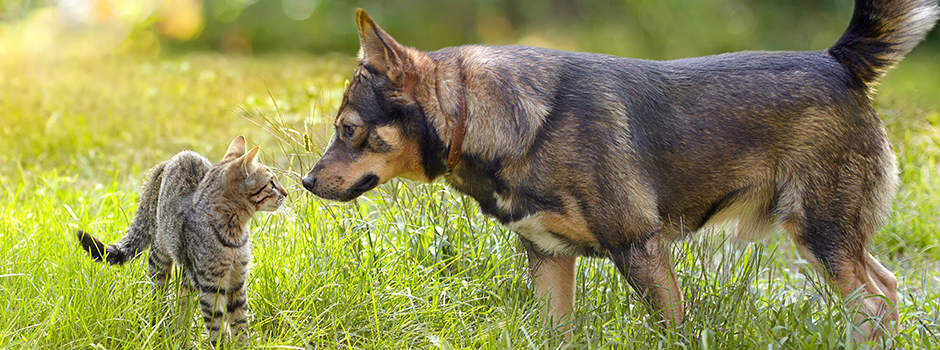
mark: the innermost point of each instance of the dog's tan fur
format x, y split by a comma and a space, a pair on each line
553, 279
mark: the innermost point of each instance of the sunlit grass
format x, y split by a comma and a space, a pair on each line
409, 265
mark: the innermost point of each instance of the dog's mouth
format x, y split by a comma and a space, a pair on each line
364, 184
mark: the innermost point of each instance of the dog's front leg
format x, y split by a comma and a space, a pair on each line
553, 277
647, 267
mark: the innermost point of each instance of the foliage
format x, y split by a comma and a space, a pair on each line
648, 29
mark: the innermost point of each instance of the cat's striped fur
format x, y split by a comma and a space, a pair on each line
195, 214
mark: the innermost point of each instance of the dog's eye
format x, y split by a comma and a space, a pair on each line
348, 131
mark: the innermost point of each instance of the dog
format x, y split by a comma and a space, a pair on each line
585, 154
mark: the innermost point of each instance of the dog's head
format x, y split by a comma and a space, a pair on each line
381, 131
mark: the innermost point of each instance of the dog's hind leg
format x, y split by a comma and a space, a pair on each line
885, 279
553, 278
855, 274
831, 198
876, 299
648, 268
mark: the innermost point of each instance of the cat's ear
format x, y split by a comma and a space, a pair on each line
235, 149
250, 158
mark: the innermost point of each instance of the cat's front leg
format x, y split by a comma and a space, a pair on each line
212, 304
237, 308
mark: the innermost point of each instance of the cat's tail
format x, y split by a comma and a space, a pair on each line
139, 234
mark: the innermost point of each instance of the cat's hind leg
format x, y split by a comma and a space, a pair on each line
160, 265
184, 292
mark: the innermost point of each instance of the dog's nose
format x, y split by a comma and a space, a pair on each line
309, 182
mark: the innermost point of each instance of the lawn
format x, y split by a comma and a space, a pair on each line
408, 266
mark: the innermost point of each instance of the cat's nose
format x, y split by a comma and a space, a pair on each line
309, 182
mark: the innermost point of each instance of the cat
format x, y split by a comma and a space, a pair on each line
195, 214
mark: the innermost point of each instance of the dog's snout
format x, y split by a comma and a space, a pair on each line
309, 182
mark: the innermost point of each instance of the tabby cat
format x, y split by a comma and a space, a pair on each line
195, 214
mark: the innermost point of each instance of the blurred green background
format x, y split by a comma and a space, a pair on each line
656, 29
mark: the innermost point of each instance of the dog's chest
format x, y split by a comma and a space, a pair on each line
556, 234
531, 228
551, 220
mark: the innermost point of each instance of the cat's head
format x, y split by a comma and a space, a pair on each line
247, 181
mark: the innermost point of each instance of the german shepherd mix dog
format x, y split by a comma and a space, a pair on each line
592, 155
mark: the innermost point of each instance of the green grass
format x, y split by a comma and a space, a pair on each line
409, 265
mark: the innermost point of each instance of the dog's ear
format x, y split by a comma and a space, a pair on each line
377, 49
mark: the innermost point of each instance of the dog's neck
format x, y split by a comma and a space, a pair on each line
504, 111
460, 130
449, 94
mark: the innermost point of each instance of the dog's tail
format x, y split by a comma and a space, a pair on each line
139, 234
881, 33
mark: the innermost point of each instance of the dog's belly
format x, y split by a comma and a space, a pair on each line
556, 234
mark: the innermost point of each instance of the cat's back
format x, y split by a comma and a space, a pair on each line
182, 174
181, 177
